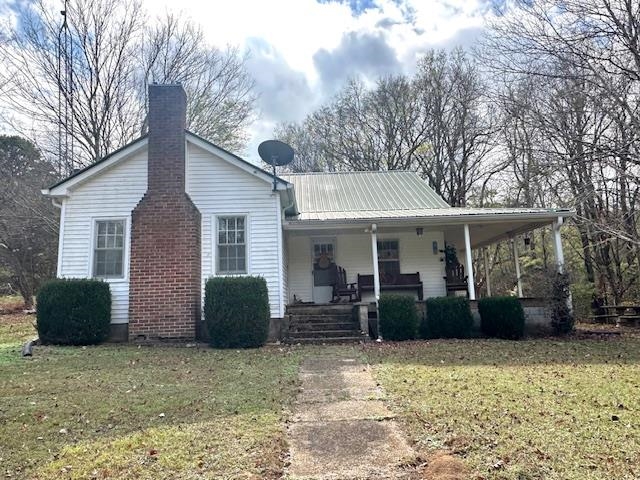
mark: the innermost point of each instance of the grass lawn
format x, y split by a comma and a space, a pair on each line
534, 409
145, 413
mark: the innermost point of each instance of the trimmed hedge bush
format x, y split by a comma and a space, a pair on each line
501, 317
73, 311
447, 317
398, 317
236, 311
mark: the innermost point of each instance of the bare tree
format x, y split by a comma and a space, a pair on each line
582, 56
104, 36
28, 221
219, 89
108, 40
458, 125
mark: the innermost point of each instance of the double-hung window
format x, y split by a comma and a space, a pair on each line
108, 249
232, 245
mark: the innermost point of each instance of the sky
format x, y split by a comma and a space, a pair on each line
301, 52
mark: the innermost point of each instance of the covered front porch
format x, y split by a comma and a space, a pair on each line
410, 255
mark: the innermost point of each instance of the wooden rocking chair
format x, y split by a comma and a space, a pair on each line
340, 286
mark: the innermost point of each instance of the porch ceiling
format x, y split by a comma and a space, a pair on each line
484, 234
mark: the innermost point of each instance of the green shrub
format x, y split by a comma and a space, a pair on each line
447, 317
236, 311
73, 311
501, 317
398, 317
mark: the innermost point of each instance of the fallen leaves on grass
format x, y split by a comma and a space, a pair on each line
520, 410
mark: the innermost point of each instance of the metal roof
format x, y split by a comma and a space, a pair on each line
396, 195
359, 194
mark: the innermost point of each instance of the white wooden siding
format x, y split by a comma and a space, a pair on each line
219, 188
114, 193
353, 253
299, 275
285, 269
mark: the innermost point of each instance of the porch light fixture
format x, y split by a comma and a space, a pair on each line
434, 246
419, 231
527, 240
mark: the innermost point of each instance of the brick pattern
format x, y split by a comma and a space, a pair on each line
164, 290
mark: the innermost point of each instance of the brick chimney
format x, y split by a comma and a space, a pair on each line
164, 280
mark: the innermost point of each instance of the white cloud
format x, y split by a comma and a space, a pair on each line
302, 50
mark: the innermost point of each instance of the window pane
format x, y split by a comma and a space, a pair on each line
223, 262
231, 250
118, 264
109, 249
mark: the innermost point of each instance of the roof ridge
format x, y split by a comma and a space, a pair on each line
346, 173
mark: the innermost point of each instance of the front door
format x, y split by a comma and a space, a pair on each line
323, 254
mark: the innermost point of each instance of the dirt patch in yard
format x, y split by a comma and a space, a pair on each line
442, 465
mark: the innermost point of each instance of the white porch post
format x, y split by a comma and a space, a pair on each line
557, 245
557, 248
374, 254
516, 261
467, 250
485, 260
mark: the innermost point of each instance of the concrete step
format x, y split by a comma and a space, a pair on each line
319, 326
317, 341
309, 309
310, 318
325, 334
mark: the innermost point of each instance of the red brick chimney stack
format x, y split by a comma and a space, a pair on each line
165, 279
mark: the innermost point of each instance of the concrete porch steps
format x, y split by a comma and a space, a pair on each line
333, 323
334, 340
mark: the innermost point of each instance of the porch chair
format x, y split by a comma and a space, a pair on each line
340, 286
455, 279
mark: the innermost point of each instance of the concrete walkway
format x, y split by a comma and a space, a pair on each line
341, 428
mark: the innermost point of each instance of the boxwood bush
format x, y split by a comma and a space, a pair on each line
236, 311
447, 317
73, 311
501, 317
398, 317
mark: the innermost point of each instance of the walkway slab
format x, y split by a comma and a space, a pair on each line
341, 427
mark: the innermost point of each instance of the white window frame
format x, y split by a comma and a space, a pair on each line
247, 244
125, 248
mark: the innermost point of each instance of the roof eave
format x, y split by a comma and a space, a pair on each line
453, 219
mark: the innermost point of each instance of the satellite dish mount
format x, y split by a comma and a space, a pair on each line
276, 154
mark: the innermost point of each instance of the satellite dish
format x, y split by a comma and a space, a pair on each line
276, 154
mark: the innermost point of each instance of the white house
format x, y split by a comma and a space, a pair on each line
158, 217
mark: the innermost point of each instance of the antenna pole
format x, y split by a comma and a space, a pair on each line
65, 94
273, 164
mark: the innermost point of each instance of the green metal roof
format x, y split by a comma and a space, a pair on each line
350, 194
